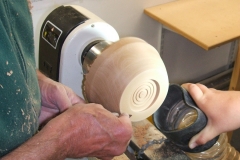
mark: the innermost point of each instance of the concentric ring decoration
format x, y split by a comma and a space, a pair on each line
128, 77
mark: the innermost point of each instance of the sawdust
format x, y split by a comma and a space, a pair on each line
121, 157
145, 132
139, 134
10, 73
170, 151
22, 112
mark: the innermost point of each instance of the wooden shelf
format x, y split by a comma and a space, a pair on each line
208, 23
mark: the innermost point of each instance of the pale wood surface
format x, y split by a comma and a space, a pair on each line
208, 23
128, 77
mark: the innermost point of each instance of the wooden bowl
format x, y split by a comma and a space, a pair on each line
128, 77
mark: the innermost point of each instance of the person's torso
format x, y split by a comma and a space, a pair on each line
19, 90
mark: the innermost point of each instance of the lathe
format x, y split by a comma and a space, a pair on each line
125, 75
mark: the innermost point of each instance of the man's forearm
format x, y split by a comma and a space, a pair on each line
42, 146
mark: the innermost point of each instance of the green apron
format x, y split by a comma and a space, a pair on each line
20, 100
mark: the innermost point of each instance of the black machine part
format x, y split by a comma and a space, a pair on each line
177, 104
54, 31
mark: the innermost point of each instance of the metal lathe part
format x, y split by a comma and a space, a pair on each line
93, 53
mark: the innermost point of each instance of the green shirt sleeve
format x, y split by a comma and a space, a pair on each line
20, 100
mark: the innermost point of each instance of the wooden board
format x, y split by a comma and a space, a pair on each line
208, 23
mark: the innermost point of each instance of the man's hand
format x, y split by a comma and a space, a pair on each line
222, 109
91, 130
84, 130
55, 97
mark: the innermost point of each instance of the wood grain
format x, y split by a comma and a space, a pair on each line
208, 23
128, 77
